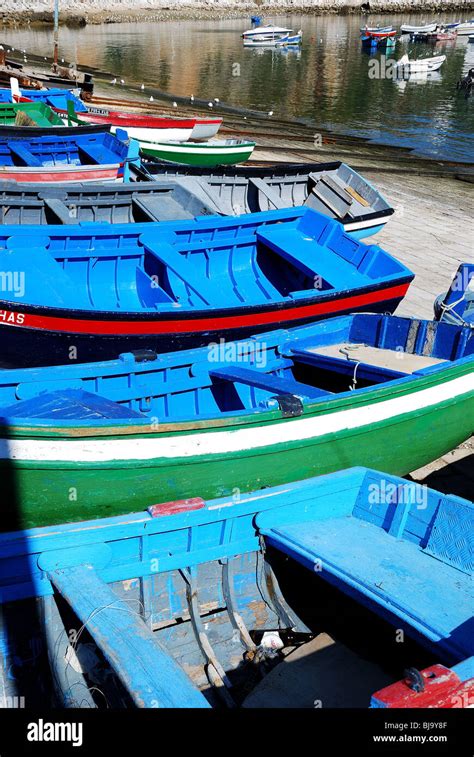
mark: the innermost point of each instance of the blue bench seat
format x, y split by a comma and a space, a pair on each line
429, 588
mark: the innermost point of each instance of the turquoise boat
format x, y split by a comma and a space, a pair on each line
197, 603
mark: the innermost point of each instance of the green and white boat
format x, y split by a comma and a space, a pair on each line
214, 152
100, 439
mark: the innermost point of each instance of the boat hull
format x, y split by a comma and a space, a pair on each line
100, 338
199, 154
59, 174
48, 131
55, 479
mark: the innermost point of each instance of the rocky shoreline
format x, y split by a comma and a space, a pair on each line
82, 12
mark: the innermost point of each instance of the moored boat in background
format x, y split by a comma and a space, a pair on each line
409, 29
466, 28
420, 65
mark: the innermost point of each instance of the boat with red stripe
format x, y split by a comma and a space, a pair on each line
77, 157
104, 289
139, 124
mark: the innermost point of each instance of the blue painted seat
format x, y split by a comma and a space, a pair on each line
67, 404
376, 550
26, 157
306, 254
265, 381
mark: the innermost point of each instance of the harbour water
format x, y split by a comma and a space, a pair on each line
329, 83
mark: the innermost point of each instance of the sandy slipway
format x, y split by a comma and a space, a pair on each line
82, 12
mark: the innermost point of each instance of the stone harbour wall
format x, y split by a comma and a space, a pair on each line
81, 12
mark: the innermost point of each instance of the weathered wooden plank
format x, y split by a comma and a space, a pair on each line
151, 677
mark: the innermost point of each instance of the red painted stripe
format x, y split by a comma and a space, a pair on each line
116, 118
212, 323
96, 174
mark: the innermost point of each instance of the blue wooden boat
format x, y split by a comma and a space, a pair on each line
457, 304
181, 284
164, 193
367, 29
193, 603
73, 157
57, 99
379, 39
358, 389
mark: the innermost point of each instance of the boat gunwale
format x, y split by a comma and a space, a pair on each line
177, 312
406, 385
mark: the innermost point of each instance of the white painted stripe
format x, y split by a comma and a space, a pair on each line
356, 225
155, 135
224, 442
189, 149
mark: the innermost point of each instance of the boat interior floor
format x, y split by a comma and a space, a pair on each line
379, 357
323, 672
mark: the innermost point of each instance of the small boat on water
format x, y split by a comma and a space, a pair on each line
466, 28
380, 34
367, 29
457, 304
409, 29
266, 31
220, 600
291, 39
442, 35
78, 157
32, 119
266, 410
182, 283
271, 35
379, 39
164, 192
214, 152
421, 65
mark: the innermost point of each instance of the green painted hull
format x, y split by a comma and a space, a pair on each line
41, 493
199, 155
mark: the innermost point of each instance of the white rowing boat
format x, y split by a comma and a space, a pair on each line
408, 29
466, 28
420, 65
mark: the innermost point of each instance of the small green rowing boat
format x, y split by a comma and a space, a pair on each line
215, 152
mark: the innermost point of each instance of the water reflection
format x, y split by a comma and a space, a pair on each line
326, 82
